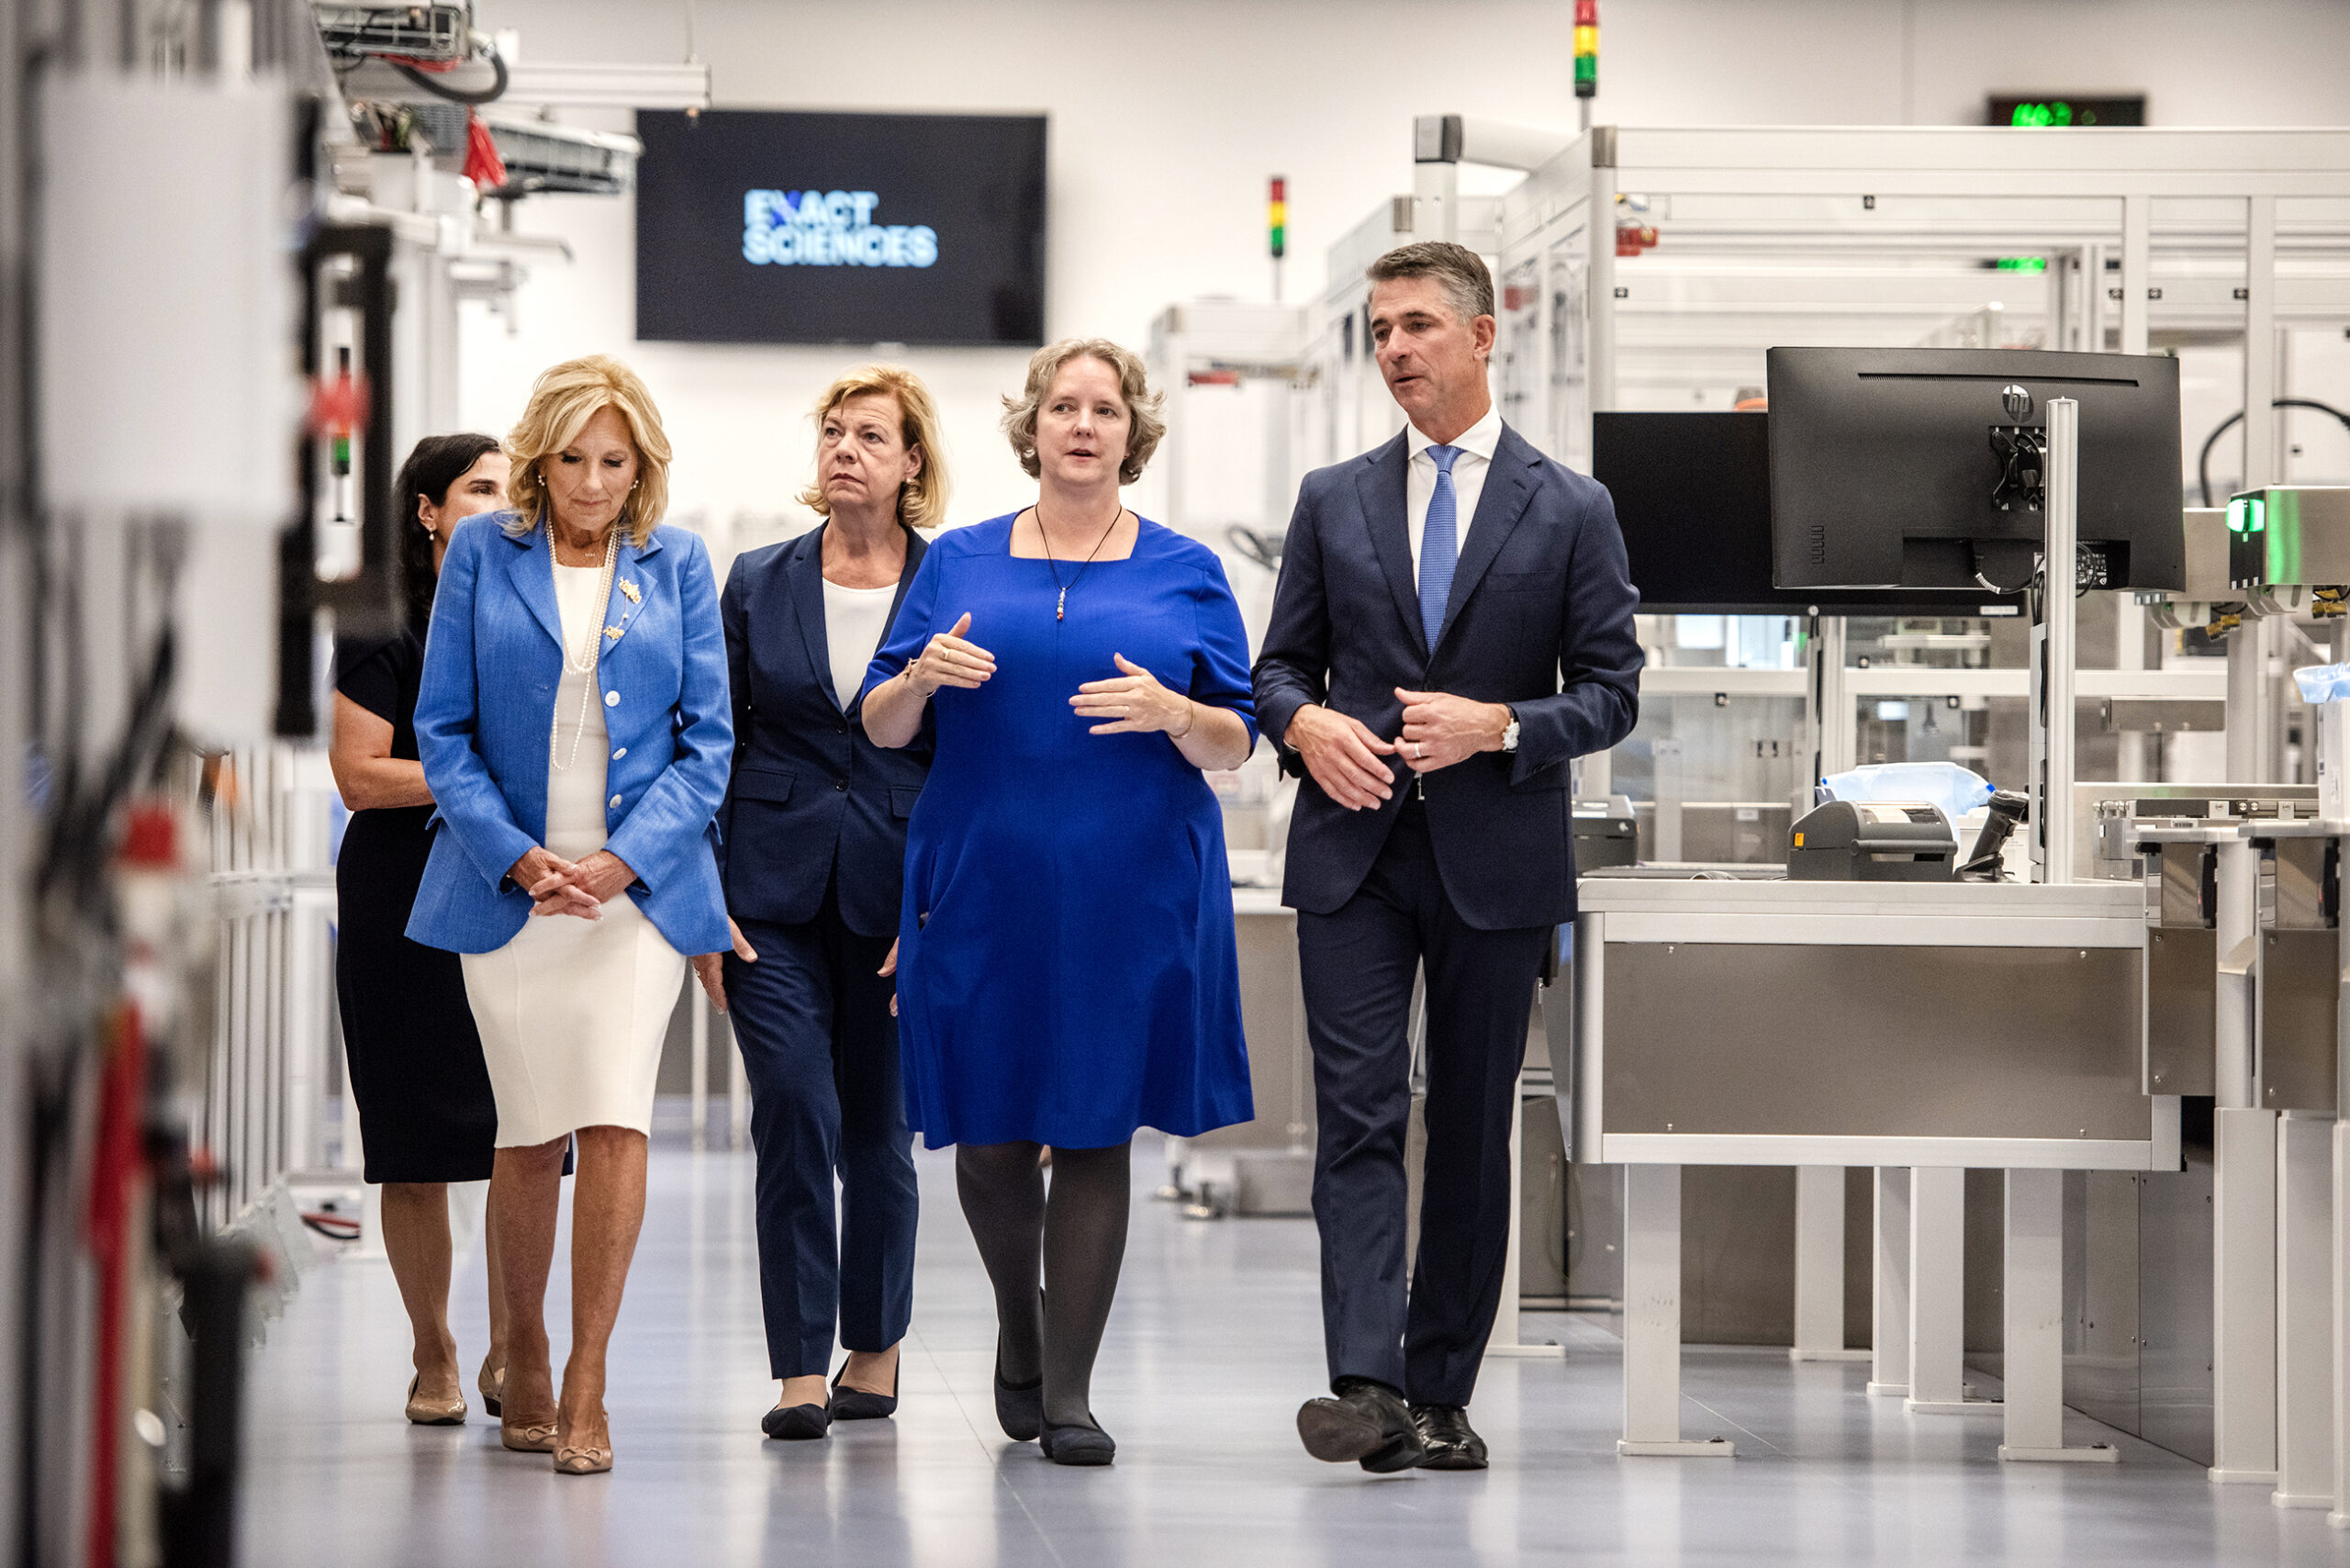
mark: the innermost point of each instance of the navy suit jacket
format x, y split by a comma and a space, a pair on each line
1539, 618
811, 790
491, 668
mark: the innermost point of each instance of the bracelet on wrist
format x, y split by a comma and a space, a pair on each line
1192, 710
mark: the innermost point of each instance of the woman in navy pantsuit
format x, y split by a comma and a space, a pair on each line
815, 852
1070, 974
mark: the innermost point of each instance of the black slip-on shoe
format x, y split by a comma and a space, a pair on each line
864, 1404
1447, 1440
1019, 1408
797, 1422
1088, 1444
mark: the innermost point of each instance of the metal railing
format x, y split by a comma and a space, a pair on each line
265, 1083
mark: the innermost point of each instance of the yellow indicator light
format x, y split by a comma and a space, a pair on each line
1586, 41
1798, 840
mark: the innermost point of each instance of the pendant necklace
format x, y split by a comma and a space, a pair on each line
584, 662
1060, 609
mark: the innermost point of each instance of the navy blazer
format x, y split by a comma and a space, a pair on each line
487, 706
1539, 618
811, 791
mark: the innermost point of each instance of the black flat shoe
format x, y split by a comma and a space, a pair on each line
1020, 1411
797, 1422
1449, 1442
1088, 1444
863, 1405
1365, 1421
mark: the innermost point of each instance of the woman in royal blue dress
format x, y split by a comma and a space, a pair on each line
1066, 967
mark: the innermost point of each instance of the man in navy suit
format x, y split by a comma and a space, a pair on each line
1452, 627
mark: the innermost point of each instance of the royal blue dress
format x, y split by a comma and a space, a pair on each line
1066, 967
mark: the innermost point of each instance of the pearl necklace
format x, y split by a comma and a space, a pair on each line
584, 662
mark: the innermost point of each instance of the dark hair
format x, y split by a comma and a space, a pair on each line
437, 462
1467, 286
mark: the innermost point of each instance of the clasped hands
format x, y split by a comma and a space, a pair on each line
557, 886
1343, 754
1133, 702
584, 887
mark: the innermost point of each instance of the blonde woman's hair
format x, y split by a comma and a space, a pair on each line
1143, 405
922, 500
563, 400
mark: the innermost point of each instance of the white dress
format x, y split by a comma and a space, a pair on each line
573, 1012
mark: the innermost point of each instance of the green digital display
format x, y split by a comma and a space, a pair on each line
2038, 109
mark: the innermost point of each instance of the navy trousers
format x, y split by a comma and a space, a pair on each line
1357, 966
821, 1050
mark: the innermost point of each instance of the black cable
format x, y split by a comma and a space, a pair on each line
439, 89
2203, 462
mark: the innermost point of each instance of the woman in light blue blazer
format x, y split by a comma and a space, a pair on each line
574, 725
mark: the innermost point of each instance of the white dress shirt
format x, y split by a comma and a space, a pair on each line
854, 621
1476, 443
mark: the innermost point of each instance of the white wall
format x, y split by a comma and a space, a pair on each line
1169, 114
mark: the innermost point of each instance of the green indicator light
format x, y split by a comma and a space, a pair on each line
2247, 514
2023, 263
1586, 68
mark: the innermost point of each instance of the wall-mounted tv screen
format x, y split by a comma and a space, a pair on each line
772, 228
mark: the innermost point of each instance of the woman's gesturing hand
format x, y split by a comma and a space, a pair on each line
710, 967
1134, 704
947, 660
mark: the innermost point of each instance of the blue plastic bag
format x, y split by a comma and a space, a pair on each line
2323, 683
1945, 784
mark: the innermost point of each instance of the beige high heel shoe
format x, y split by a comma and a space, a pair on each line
493, 1389
433, 1412
527, 1437
575, 1458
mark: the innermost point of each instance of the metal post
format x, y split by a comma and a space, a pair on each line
2340, 1516
1889, 1334
2060, 651
1835, 744
1602, 294
1819, 1266
1938, 1294
2304, 1319
2259, 341
1504, 1337
1652, 1316
2243, 1293
2033, 1401
2137, 250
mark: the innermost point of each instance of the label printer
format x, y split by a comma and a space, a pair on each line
1872, 840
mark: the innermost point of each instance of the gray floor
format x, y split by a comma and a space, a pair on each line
1215, 1341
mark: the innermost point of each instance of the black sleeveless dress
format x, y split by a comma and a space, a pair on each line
425, 1110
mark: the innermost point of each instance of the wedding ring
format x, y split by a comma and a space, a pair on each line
1419, 752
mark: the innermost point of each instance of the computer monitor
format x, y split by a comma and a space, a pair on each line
1920, 467
1692, 497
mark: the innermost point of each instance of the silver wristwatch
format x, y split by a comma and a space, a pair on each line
1509, 735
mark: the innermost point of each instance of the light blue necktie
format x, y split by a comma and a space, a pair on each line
1439, 543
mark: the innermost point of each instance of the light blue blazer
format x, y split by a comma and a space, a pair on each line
487, 705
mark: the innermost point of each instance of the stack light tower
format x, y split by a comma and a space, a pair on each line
1277, 229
1586, 57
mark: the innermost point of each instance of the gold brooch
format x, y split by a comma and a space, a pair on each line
613, 633
629, 589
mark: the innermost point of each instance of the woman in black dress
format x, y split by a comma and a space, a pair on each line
426, 1116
